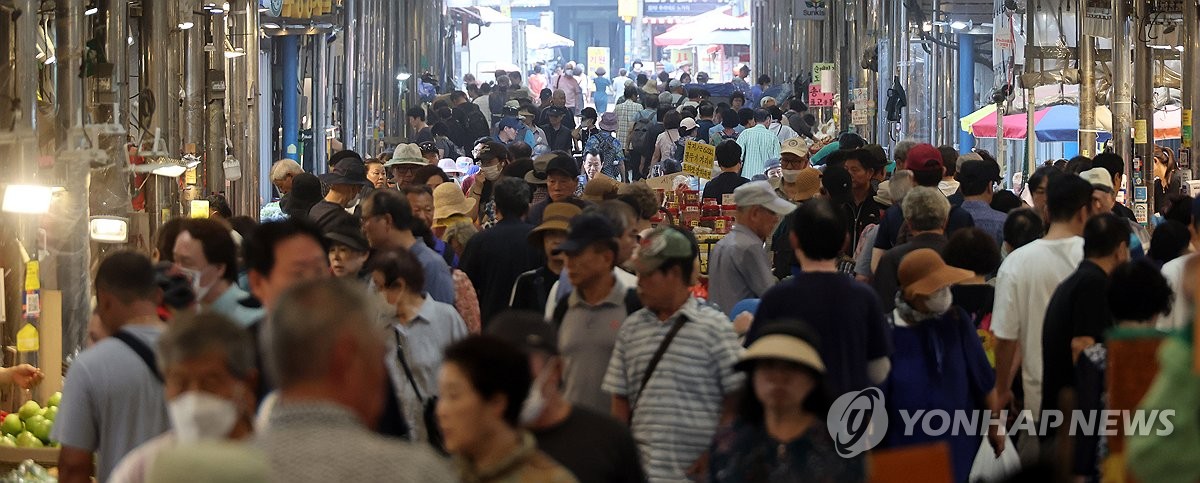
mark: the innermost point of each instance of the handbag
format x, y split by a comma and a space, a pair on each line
432, 431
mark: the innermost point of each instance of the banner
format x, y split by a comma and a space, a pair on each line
698, 159
597, 57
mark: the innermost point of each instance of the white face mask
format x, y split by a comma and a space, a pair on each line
939, 302
198, 415
790, 175
490, 173
535, 402
199, 290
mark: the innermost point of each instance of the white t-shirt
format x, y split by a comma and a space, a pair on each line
1178, 317
1024, 285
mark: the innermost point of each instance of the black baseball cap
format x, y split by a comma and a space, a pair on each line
585, 230
526, 331
554, 111
563, 164
347, 171
428, 147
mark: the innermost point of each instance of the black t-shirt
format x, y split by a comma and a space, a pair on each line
593, 447
1077, 309
723, 184
977, 300
326, 214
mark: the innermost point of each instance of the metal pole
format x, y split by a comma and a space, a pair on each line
214, 108
1122, 98
25, 73
1087, 85
350, 84
289, 52
116, 46
1143, 97
320, 101
1191, 64
1030, 35
69, 86
195, 67
966, 87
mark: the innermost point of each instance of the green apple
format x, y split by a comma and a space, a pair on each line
28, 440
51, 413
54, 400
8, 441
28, 410
12, 425
39, 426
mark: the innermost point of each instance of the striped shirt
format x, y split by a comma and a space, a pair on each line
677, 415
758, 145
627, 113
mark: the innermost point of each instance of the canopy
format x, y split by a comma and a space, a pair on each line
700, 28
1051, 124
540, 38
723, 37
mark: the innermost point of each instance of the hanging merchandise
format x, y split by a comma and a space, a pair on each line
897, 100
32, 303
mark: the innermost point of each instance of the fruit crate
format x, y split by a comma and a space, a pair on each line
10, 458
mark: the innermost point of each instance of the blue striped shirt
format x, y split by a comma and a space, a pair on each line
677, 415
758, 145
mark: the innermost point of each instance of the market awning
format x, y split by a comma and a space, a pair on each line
540, 38
702, 27
1052, 124
722, 37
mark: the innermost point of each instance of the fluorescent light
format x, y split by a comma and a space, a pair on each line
51, 60
91, 11
186, 24
109, 229
170, 171
958, 25
130, 40
927, 27
28, 199
1179, 48
403, 76
270, 25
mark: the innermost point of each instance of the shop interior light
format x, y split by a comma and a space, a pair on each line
958, 25
270, 25
403, 76
91, 11
27, 199
186, 24
109, 229
232, 53
170, 168
927, 27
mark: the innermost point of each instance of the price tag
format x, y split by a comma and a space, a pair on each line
27, 338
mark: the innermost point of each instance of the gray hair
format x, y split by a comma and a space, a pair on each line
190, 337
925, 209
302, 330
282, 168
901, 150
900, 184
618, 212
461, 232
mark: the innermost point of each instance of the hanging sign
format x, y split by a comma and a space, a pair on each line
810, 9
1186, 128
861, 117
816, 98
1002, 32
1139, 131
1141, 212
698, 159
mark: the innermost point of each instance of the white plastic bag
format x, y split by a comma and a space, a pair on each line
990, 468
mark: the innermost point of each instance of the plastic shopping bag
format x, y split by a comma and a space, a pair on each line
990, 468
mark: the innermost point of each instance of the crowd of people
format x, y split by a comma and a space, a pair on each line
488, 306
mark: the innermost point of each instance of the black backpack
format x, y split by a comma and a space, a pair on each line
641, 129
632, 304
474, 124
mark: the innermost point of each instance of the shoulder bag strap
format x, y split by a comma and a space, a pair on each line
142, 350
658, 355
404, 364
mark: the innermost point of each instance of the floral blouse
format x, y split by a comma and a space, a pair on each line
467, 302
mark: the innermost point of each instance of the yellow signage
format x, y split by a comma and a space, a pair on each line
627, 8
597, 57
1139, 131
199, 208
698, 159
27, 338
33, 280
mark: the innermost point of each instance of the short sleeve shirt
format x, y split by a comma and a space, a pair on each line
585, 340
439, 282
738, 268
112, 403
675, 417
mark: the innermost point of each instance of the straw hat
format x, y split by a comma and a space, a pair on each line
556, 217
883, 195
808, 182
449, 200
922, 272
784, 347
601, 188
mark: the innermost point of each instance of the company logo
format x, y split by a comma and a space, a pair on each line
857, 421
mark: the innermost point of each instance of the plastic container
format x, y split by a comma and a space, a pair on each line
722, 225
691, 216
729, 210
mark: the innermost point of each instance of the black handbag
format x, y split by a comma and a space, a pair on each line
432, 431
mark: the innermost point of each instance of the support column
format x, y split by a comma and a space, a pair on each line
68, 86
966, 88
1031, 8
1191, 64
214, 107
289, 54
242, 99
320, 100
1143, 102
1087, 88
195, 70
350, 76
1122, 98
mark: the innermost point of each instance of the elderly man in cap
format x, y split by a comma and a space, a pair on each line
1104, 198
405, 159
541, 143
345, 182
611, 455
738, 265
509, 131
561, 178
925, 162
556, 129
